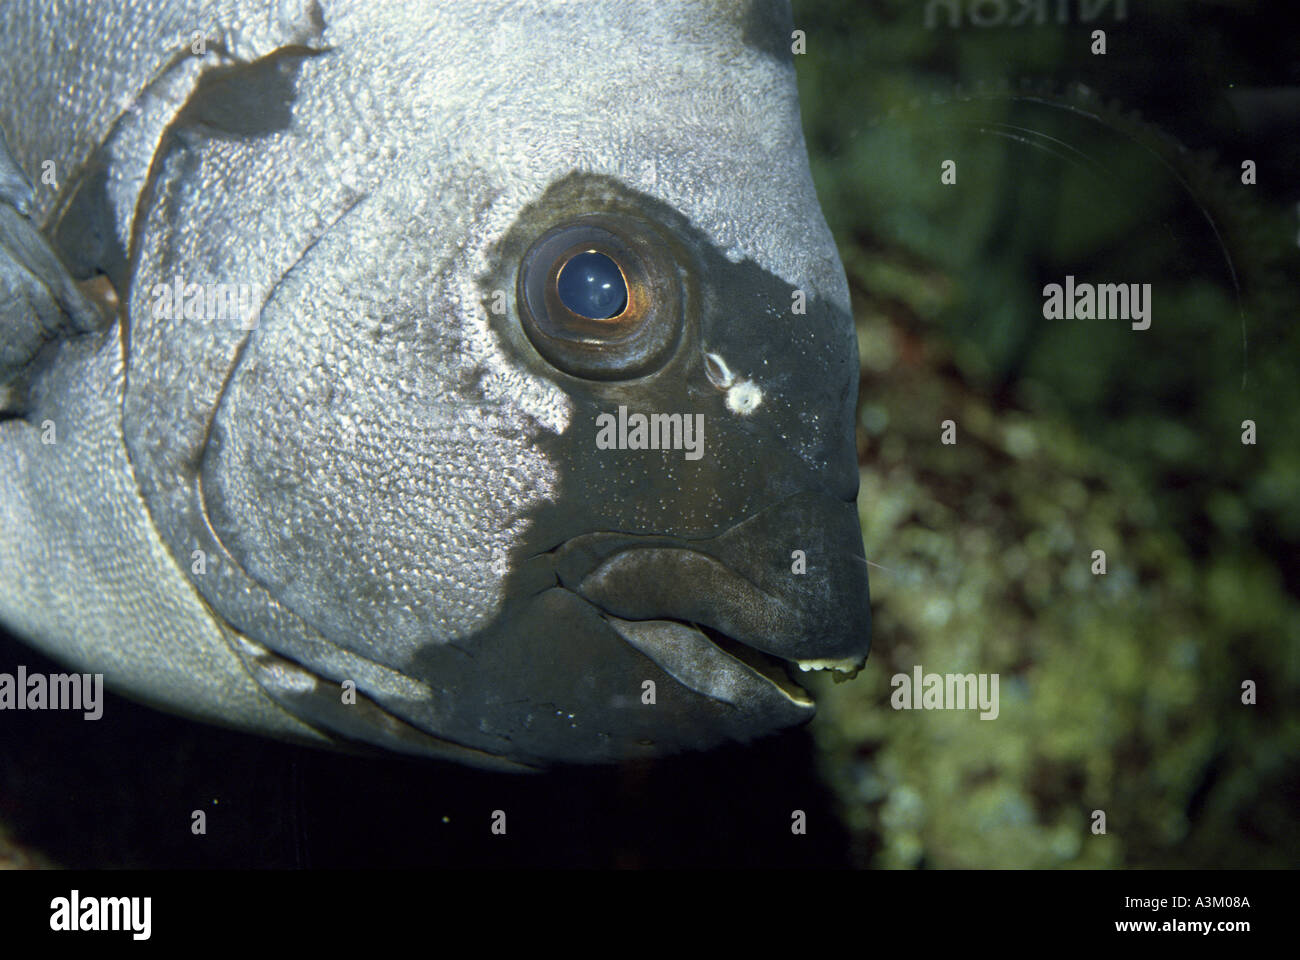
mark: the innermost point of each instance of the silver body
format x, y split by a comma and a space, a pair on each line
359, 467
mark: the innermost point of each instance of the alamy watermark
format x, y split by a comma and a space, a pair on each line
75, 913
655, 431
1101, 301
241, 302
54, 691
945, 691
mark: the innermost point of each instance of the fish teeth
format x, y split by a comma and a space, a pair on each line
842, 666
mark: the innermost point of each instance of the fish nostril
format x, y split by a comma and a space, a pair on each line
592, 285
715, 368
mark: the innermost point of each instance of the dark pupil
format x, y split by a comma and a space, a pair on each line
591, 285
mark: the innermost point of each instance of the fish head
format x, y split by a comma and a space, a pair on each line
541, 448
701, 535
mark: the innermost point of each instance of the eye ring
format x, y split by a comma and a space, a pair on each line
634, 341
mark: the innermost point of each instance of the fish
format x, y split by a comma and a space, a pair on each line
471, 380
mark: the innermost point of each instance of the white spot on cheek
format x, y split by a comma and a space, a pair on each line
744, 397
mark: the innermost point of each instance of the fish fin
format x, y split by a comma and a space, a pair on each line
360, 724
40, 303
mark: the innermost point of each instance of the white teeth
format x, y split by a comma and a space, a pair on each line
843, 666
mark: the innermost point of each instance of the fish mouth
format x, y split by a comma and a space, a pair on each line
728, 616
776, 671
719, 667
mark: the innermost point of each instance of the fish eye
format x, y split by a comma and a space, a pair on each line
599, 298
591, 285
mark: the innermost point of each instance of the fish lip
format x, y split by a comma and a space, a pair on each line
791, 698
655, 579
738, 589
783, 680
746, 592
